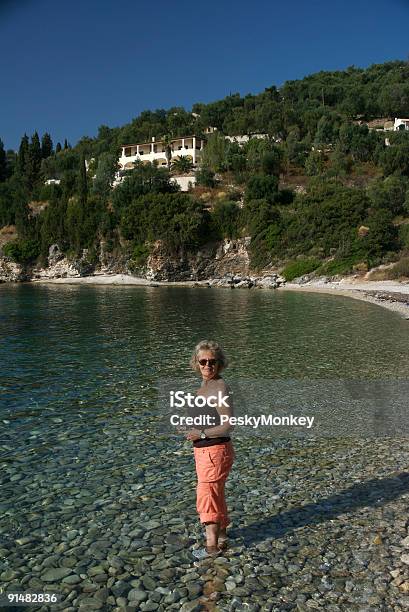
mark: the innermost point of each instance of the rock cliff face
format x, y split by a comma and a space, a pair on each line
212, 260
11, 272
226, 260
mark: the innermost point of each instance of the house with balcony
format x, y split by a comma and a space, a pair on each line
190, 147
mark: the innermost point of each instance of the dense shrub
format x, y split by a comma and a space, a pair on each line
205, 177
261, 186
284, 197
395, 159
300, 267
339, 266
399, 270
22, 251
226, 219
390, 193
143, 179
176, 219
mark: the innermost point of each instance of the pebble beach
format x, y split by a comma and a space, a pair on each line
317, 525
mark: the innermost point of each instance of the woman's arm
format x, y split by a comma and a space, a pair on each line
226, 408
223, 409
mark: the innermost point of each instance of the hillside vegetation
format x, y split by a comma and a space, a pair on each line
321, 192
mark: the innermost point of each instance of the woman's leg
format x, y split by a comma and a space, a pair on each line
210, 502
212, 534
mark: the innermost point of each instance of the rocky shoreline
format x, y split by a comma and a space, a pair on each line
232, 281
392, 296
225, 265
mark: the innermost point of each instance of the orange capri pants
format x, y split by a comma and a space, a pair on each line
213, 464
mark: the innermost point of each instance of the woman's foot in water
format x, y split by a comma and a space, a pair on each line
206, 552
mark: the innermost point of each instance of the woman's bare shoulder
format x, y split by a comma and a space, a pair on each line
221, 385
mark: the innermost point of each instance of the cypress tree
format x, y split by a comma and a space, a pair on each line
82, 181
23, 155
33, 161
58, 147
66, 144
3, 163
11, 160
46, 146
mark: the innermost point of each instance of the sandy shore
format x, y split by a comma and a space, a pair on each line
392, 295
115, 279
389, 294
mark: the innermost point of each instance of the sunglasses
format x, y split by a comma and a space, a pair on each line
210, 362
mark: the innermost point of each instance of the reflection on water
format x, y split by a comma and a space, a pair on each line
97, 351
80, 365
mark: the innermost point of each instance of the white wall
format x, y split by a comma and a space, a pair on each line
183, 181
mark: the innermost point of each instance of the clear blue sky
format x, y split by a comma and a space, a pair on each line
68, 67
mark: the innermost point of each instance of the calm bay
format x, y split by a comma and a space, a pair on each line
88, 482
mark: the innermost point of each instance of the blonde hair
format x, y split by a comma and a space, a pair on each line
212, 346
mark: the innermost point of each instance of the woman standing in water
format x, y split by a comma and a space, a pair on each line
213, 449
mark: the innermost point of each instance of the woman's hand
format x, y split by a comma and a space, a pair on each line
193, 434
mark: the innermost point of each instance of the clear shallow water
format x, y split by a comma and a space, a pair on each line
75, 358
81, 464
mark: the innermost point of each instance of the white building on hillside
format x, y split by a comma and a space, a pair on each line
401, 124
190, 147
244, 138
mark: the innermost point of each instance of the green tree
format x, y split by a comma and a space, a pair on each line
295, 148
271, 161
389, 194
235, 158
327, 130
382, 236
394, 99
22, 250
22, 158
33, 165
205, 177
182, 165
395, 159
105, 174
3, 163
11, 160
226, 219
82, 181
143, 179
53, 224
340, 163
58, 147
167, 143
175, 218
325, 219
46, 146
314, 164
13, 204
215, 153
262, 187
263, 156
